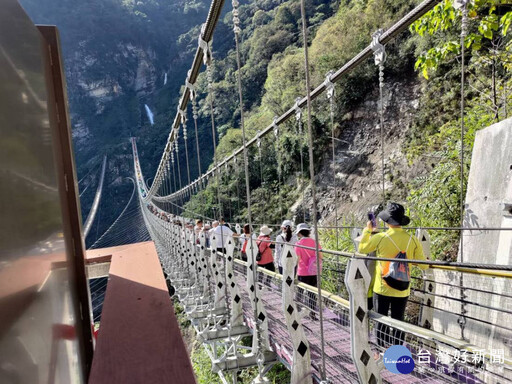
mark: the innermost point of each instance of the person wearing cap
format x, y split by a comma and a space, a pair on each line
286, 236
307, 268
265, 248
389, 244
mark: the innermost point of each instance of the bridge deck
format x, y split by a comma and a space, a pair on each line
339, 365
139, 339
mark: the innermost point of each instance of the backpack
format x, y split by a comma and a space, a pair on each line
397, 273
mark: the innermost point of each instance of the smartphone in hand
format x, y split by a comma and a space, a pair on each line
373, 219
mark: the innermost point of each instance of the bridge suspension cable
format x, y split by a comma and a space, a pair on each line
206, 36
362, 56
95, 205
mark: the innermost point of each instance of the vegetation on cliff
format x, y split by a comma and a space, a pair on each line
432, 48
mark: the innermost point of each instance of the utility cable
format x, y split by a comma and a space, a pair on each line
330, 91
298, 117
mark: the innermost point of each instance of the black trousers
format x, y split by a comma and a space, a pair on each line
385, 336
281, 270
269, 266
264, 278
310, 301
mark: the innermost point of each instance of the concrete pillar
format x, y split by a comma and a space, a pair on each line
489, 191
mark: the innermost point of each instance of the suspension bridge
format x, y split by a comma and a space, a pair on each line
456, 330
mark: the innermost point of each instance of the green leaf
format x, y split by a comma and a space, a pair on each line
505, 21
425, 72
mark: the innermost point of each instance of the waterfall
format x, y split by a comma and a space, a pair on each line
149, 113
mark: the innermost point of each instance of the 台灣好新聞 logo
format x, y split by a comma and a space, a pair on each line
398, 359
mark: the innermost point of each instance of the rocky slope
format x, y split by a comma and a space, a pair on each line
358, 165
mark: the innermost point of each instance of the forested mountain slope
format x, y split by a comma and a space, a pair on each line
422, 117
118, 54
121, 55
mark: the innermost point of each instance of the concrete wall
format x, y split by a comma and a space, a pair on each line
489, 191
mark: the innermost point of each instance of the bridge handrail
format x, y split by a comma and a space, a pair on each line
367, 52
495, 270
431, 335
397, 324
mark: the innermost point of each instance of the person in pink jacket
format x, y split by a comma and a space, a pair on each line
307, 269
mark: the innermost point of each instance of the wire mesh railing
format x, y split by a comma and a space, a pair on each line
451, 359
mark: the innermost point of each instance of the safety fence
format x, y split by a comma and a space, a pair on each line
219, 292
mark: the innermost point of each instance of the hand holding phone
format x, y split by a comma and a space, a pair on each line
373, 219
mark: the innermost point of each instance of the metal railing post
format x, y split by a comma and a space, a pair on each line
219, 285
237, 316
427, 297
261, 341
301, 357
203, 265
357, 281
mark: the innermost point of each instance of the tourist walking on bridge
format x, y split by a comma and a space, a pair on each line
286, 236
206, 231
194, 237
392, 279
222, 232
265, 246
307, 265
265, 257
244, 240
215, 224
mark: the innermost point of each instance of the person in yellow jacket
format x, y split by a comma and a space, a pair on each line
391, 285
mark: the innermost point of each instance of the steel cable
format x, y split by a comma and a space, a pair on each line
313, 186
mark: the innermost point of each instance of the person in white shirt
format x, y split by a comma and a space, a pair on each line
206, 230
286, 236
222, 232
